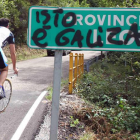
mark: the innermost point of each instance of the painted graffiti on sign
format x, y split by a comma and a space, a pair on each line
90, 30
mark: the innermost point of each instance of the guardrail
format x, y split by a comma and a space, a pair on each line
95, 59
76, 68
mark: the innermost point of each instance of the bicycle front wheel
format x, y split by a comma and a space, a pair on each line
7, 92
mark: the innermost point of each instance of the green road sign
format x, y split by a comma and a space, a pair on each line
103, 29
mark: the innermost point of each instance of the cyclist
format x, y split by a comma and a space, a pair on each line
6, 36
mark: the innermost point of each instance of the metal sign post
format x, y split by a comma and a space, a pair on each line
56, 94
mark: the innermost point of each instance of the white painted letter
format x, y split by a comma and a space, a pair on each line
139, 20
107, 34
79, 19
126, 32
90, 16
128, 19
121, 22
109, 20
69, 19
122, 37
101, 21
95, 36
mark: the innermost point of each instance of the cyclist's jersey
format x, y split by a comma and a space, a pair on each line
6, 36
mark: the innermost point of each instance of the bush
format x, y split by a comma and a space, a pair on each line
114, 92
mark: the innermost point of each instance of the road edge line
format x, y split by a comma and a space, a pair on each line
28, 116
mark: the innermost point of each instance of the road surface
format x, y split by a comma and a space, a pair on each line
35, 76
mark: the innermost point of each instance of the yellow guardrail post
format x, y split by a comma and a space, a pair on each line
71, 73
76, 68
79, 64
82, 63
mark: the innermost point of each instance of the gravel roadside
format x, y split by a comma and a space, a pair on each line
68, 105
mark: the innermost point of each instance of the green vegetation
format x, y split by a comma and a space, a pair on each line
24, 53
114, 3
73, 122
64, 86
50, 92
88, 136
111, 90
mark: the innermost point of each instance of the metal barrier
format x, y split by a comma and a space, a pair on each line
76, 70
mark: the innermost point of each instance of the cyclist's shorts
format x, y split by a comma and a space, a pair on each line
3, 63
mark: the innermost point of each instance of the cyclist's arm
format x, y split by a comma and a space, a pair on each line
13, 57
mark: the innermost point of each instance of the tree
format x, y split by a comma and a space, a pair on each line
114, 3
17, 12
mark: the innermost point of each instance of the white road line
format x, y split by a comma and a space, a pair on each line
28, 116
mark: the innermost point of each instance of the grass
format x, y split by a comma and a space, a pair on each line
88, 136
25, 53
64, 87
49, 96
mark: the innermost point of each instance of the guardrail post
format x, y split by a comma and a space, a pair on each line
76, 68
82, 63
71, 73
87, 66
96, 58
79, 65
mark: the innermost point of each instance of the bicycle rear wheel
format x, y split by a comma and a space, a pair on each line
7, 92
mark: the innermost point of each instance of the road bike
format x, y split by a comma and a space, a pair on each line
6, 94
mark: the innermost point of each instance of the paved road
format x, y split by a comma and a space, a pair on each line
34, 77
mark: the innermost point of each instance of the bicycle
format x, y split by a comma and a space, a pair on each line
6, 93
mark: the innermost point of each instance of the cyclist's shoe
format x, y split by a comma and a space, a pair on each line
1, 95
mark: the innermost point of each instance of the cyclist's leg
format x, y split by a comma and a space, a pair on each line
3, 68
3, 75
